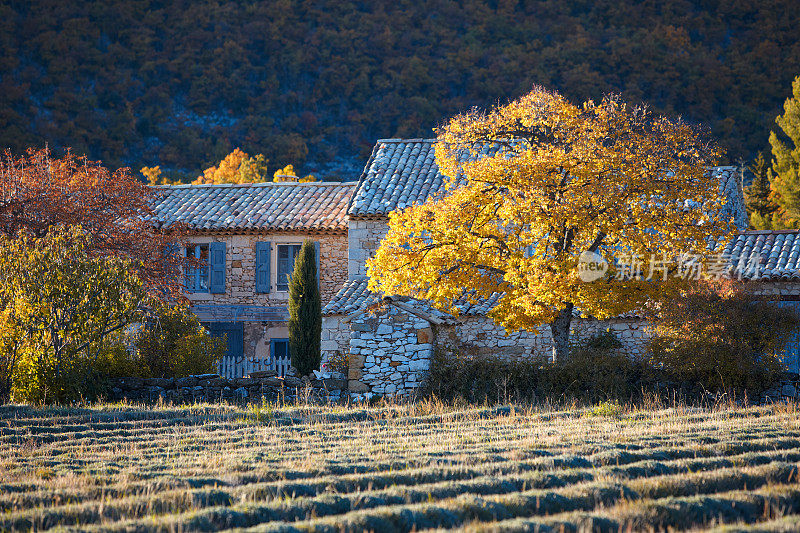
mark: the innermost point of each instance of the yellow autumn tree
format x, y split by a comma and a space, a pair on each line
287, 173
236, 167
537, 184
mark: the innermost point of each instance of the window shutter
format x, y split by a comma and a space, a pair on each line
263, 262
316, 256
217, 264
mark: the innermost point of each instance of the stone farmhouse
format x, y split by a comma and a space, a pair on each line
248, 236
249, 233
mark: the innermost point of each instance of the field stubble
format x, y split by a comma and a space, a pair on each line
399, 468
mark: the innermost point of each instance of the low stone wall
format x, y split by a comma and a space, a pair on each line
390, 352
264, 385
479, 335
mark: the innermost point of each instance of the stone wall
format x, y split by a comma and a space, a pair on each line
335, 337
258, 387
778, 289
391, 349
479, 335
240, 288
390, 352
240, 277
364, 237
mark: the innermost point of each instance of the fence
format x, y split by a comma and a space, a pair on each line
238, 367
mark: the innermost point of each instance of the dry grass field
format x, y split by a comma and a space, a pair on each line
399, 468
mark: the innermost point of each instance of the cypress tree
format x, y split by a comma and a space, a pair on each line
757, 197
305, 312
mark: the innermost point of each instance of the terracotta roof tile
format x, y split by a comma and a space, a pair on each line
403, 171
314, 207
765, 255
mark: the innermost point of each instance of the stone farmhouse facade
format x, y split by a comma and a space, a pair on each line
389, 340
247, 236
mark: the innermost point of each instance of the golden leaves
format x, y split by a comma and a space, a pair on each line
538, 181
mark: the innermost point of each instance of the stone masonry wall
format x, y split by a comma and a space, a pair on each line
364, 237
240, 277
335, 338
481, 336
390, 349
781, 289
390, 352
240, 285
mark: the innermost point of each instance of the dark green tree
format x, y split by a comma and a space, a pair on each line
760, 205
305, 312
786, 160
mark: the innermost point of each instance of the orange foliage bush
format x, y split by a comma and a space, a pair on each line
38, 191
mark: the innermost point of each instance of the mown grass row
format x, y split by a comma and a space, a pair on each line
394, 468
507, 498
414, 486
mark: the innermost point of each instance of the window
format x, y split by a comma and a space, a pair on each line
287, 253
197, 277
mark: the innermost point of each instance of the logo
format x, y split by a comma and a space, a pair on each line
591, 266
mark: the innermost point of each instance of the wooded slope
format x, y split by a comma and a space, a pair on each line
180, 84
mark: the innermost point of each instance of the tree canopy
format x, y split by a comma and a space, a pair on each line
313, 83
39, 192
786, 161
58, 303
536, 184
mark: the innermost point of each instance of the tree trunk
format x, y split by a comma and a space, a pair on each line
559, 327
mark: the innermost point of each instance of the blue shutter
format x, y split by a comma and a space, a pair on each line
263, 262
316, 257
217, 264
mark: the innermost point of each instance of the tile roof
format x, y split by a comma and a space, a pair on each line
398, 173
318, 207
777, 254
731, 188
403, 171
351, 297
354, 295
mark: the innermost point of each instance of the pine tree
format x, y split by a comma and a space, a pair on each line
786, 160
305, 312
758, 198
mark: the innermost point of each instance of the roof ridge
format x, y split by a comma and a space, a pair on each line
767, 231
259, 184
414, 140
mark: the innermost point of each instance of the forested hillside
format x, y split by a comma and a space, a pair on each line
180, 84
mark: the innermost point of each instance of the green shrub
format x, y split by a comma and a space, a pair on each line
720, 339
610, 408
170, 343
595, 371
59, 302
338, 362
